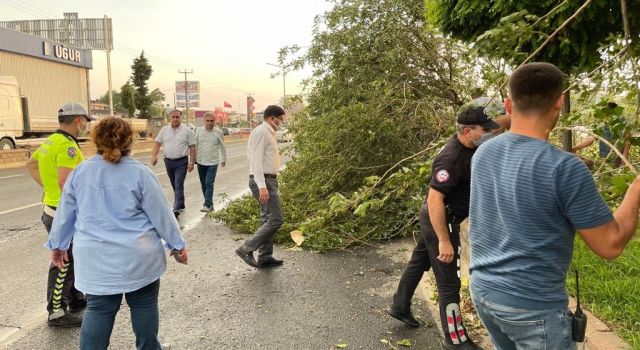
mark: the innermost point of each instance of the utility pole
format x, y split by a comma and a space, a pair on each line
284, 75
186, 92
108, 42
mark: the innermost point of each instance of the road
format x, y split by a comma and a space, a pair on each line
216, 302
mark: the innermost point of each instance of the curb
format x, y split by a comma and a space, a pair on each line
16, 158
599, 335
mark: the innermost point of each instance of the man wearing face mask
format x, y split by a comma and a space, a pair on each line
50, 166
438, 248
264, 164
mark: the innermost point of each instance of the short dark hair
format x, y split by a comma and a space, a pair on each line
273, 111
535, 87
177, 110
68, 119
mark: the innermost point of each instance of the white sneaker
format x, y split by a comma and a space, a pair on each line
206, 209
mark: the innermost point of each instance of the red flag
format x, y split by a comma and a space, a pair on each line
227, 104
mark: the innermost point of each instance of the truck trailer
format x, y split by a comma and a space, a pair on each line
37, 76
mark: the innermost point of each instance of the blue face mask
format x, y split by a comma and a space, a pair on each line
483, 138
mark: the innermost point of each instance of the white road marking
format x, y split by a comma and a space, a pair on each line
37, 204
237, 155
20, 208
10, 176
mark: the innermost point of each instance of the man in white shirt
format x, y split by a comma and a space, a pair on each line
210, 151
178, 146
264, 163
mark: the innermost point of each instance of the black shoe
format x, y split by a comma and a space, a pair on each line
246, 257
271, 263
176, 212
77, 306
66, 321
467, 345
407, 318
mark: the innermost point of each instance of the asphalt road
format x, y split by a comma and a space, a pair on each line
315, 301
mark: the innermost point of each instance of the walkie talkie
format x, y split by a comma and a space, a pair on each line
579, 319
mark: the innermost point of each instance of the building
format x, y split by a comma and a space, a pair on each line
48, 73
97, 108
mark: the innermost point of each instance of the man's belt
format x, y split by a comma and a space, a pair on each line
49, 210
267, 176
174, 159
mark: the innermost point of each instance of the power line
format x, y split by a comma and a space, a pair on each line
121, 47
29, 10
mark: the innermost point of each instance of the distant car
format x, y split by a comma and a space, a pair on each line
283, 135
244, 131
225, 131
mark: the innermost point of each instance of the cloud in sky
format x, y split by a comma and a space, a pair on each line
226, 43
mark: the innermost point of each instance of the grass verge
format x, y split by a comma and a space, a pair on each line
611, 289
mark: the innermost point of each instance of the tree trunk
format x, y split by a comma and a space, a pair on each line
567, 135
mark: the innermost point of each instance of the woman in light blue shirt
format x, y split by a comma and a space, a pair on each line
117, 215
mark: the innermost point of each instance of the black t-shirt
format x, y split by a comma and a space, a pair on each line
451, 176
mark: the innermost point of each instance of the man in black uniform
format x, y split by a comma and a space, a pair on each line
438, 248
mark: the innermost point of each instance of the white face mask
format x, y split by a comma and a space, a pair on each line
83, 132
484, 137
277, 123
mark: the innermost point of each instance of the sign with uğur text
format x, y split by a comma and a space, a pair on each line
61, 52
188, 92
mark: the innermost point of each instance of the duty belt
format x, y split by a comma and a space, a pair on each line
49, 210
267, 176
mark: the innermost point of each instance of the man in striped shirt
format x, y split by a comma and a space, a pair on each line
528, 198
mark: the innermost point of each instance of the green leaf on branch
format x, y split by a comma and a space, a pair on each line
621, 183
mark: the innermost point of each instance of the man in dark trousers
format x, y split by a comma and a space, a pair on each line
264, 165
438, 247
179, 148
50, 166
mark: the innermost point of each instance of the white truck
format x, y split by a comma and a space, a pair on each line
16, 125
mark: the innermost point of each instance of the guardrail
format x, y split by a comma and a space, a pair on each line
16, 158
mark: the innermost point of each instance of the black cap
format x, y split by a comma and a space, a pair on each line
476, 116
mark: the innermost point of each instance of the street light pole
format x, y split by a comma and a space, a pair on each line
284, 75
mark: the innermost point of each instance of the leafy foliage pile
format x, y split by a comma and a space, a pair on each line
386, 84
383, 89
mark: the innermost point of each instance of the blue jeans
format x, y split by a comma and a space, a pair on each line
207, 175
177, 171
514, 328
101, 313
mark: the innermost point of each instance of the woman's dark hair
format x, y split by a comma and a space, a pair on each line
113, 138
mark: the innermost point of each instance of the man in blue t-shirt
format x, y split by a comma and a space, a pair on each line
528, 198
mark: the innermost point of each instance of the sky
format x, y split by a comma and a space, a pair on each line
226, 43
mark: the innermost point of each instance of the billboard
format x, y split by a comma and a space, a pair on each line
81, 33
187, 91
182, 104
